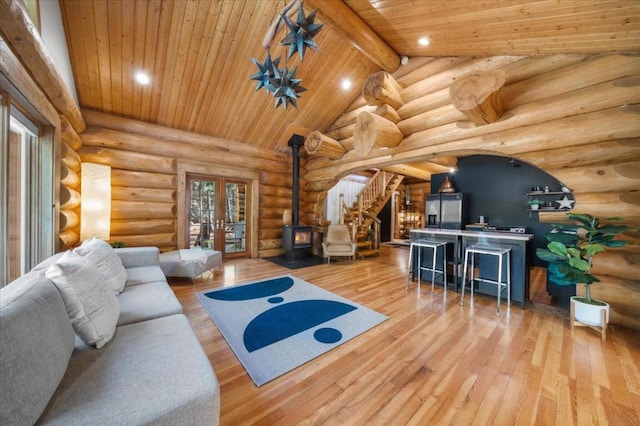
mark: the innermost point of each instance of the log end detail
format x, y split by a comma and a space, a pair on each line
477, 95
321, 145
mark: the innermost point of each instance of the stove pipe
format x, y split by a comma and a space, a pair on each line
295, 142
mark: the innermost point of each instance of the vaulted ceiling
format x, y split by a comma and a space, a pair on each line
198, 53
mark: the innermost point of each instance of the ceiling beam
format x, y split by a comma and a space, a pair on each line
25, 42
410, 171
344, 21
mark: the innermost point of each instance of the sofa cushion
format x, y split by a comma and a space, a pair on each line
147, 301
36, 342
153, 372
144, 274
42, 267
90, 302
101, 255
132, 257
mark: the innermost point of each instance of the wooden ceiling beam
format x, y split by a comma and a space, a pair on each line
409, 171
25, 42
344, 21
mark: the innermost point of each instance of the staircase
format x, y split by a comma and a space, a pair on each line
363, 215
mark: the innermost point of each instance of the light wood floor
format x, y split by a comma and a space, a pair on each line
432, 362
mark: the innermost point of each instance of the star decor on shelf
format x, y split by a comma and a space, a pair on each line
265, 72
302, 33
565, 203
278, 81
286, 87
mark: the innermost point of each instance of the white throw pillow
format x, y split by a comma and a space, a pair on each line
92, 307
103, 256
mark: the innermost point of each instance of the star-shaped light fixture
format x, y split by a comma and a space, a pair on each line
302, 33
565, 203
282, 83
265, 72
286, 87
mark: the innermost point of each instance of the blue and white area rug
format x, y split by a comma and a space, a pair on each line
276, 325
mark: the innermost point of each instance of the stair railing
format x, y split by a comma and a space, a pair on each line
344, 210
375, 186
375, 244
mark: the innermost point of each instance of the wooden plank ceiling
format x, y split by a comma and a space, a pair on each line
198, 52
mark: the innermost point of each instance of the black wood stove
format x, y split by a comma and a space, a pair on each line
296, 238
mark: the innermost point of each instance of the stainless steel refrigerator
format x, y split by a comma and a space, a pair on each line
445, 211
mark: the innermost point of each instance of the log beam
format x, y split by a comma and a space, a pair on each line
68, 238
128, 160
388, 112
477, 95
68, 134
142, 226
602, 178
344, 21
69, 177
598, 153
324, 146
381, 88
70, 158
130, 178
407, 170
135, 129
25, 42
373, 131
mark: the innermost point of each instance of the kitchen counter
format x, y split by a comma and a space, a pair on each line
459, 239
479, 234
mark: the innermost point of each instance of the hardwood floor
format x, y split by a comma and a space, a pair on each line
432, 362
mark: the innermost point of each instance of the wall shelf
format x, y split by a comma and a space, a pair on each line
544, 195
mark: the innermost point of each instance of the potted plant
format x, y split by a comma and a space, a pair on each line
534, 204
570, 254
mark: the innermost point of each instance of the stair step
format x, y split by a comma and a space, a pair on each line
368, 253
363, 245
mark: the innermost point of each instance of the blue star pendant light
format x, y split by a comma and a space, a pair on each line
282, 83
301, 33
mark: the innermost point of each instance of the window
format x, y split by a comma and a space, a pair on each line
27, 193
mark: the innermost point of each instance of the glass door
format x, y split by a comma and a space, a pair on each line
235, 223
217, 214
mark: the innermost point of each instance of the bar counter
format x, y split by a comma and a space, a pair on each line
460, 239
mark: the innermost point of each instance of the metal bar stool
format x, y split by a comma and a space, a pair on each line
500, 253
434, 246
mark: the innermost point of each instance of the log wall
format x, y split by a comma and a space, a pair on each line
145, 161
573, 116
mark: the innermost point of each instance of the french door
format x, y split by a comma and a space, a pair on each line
217, 214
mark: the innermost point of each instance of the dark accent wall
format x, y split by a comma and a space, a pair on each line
496, 187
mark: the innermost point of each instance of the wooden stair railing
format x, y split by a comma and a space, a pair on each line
373, 189
343, 209
371, 199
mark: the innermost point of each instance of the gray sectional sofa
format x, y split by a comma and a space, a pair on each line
69, 363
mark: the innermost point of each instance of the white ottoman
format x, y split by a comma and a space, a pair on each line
189, 262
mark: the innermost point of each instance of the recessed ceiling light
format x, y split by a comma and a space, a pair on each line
346, 84
142, 78
423, 41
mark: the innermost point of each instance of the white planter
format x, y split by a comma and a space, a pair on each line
535, 206
590, 314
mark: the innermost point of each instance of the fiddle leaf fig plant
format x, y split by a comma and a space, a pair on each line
572, 247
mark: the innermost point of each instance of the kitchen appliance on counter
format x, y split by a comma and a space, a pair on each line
445, 210
514, 229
